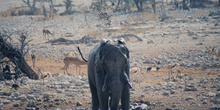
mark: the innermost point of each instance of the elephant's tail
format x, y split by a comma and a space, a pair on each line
81, 55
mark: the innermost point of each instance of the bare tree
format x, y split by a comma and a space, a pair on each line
68, 5
31, 5
16, 55
153, 4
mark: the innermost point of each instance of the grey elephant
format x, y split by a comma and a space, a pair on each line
108, 73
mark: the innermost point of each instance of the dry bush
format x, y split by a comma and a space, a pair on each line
14, 12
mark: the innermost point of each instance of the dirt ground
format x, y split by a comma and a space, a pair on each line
180, 38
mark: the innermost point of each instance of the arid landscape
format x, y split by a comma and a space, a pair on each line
154, 41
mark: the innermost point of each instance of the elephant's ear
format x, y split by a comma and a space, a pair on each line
103, 42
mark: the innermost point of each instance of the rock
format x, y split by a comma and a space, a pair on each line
78, 104
210, 94
215, 107
22, 98
218, 94
166, 93
2, 93
59, 91
47, 95
16, 94
174, 105
56, 100
204, 102
147, 102
24, 80
190, 87
16, 105
6, 101
31, 104
216, 101
30, 97
189, 98
79, 83
172, 91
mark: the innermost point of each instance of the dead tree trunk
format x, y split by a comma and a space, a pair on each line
16, 57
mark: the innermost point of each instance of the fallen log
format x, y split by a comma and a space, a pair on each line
6, 50
128, 36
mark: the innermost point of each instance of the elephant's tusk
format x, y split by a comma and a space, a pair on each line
130, 86
104, 87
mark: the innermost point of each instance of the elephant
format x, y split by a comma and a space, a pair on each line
108, 75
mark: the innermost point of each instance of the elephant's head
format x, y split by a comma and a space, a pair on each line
113, 61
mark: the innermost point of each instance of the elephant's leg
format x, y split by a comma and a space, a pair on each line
141, 5
95, 100
103, 99
125, 98
136, 2
115, 98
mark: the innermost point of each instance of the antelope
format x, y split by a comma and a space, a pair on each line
172, 66
134, 70
33, 57
216, 53
209, 51
46, 32
73, 60
43, 75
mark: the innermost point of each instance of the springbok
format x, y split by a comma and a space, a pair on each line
172, 66
46, 32
209, 51
216, 53
33, 57
73, 60
135, 70
43, 75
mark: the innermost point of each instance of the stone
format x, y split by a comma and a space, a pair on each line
31, 104
147, 102
166, 93
22, 98
16, 105
6, 101
16, 94
190, 88
30, 97
218, 94
78, 104
215, 107
46, 95
204, 102
210, 94
2, 93
172, 91
189, 98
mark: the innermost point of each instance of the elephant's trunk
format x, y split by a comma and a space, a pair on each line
105, 83
124, 78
